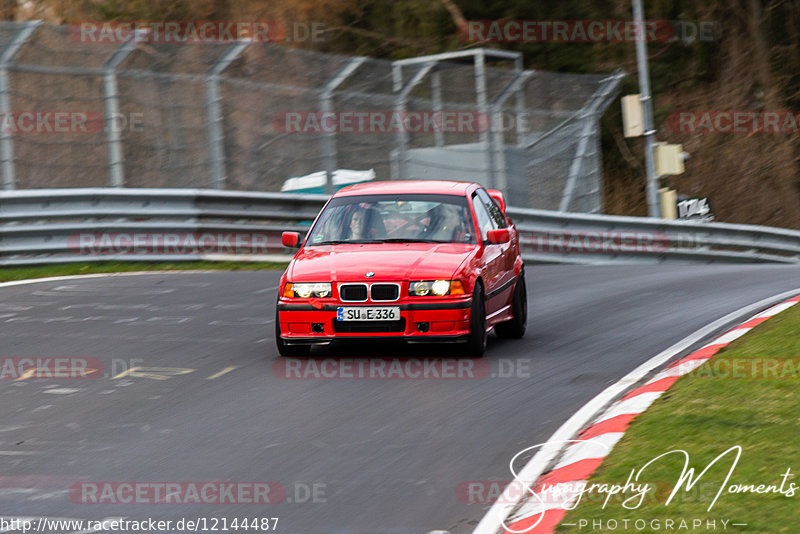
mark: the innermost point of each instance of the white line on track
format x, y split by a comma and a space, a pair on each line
588, 450
97, 275
637, 404
536, 466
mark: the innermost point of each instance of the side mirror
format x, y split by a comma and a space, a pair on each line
498, 197
499, 236
290, 239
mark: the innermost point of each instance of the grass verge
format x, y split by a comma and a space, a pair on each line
42, 271
746, 395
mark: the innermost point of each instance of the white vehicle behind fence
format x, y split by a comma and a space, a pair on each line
315, 182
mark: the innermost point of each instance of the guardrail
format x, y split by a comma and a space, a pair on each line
73, 225
115, 224
558, 237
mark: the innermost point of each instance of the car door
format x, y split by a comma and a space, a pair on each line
504, 256
492, 255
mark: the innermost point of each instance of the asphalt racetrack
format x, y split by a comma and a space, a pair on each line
192, 390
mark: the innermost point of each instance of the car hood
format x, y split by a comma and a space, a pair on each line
389, 261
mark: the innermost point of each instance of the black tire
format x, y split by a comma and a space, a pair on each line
515, 327
477, 338
288, 351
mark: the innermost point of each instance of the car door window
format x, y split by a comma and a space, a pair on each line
485, 221
494, 210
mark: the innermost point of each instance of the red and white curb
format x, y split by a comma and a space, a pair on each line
539, 512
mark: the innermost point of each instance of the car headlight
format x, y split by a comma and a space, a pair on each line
304, 291
437, 288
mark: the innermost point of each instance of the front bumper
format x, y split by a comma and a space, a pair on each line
425, 322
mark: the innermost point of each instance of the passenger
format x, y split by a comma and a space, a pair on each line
444, 223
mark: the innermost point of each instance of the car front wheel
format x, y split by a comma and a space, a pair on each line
476, 340
514, 328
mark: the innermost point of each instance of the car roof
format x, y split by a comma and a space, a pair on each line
436, 187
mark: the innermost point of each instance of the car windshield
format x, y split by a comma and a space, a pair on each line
394, 219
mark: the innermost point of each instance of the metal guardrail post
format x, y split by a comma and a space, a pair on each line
6, 141
216, 135
116, 162
326, 105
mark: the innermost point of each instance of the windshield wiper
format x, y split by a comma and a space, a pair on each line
348, 242
376, 241
408, 240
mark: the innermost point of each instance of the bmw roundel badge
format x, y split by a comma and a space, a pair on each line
370, 274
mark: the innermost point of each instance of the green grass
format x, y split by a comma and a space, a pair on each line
705, 413
43, 271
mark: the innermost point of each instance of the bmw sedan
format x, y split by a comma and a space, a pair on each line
421, 261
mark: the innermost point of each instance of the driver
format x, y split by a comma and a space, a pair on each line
366, 223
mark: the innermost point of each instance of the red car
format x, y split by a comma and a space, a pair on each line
422, 261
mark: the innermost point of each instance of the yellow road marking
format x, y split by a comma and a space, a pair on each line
154, 373
27, 374
125, 373
224, 371
57, 373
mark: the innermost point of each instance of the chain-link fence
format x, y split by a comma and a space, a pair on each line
250, 116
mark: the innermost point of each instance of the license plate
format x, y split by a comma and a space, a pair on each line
365, 313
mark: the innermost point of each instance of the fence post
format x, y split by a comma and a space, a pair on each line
520, 113
399, 153
326, 106
486, 137
590, 122
500, 178
6, 140
402, 92
216, 135
436, 89
116, 169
